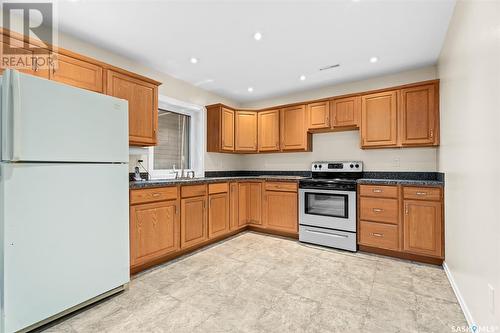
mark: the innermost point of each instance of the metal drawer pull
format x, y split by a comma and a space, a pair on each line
378, 210
326, 233
376, 234
156, 195
421, 193
377, 190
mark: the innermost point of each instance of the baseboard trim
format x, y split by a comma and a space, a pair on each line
458, 294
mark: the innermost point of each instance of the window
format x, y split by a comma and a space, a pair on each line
181, 132
173, 148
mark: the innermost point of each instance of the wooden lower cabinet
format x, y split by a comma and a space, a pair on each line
154, 231
410, 224
280, 211
233, 206
250, 203
423, 227
218, 214
193, 221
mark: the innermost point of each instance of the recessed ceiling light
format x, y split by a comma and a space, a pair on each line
373, 60
355, 0
302, 77
250, 89
194, 60
257, 36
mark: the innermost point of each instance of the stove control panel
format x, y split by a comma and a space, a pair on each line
343, 166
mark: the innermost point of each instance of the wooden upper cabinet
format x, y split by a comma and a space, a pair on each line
245, 131
269, 130
227, 129
77, 73
19, 45
423, 228
318, 115
154, 231
345, 112
193, 221
293, 129
379, 119
142, 100
419, 115
218, 214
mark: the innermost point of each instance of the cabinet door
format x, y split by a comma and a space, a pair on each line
379, 119
269, 130
423, 230
280, 211
193, 221
345, 112
142, 100
218, 214
318, 115
243, 199
418, 115
154, 231
23, 55
293, 129
255, 203
233, 206
227, 130
245, 131
77, 73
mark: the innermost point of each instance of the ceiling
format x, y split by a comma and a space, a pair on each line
298, 38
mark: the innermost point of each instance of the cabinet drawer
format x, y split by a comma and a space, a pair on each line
153, 194
379, 209
193, 191
281, 186
382, 191
422, 193
378, 235
218, 188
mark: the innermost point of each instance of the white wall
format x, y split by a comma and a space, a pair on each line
346, 145
469, 68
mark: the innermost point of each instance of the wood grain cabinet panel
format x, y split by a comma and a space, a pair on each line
243, 207
379, 210
384, 236
293, 129
193, 221
345, 112
419, 115
154, 231
77, 73
220, 128
280, 211
269, 130
378, 191
233, 206
23, 54
249, 203
423, 230
318, 115
142, 100
218, 214
379, 119
245, 131
227, 129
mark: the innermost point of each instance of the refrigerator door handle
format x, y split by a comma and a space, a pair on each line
11, 115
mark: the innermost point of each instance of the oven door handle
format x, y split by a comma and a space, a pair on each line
326, 233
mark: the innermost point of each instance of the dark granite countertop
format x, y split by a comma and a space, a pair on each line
207, 180
415, 182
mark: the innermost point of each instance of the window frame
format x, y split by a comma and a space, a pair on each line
196, 138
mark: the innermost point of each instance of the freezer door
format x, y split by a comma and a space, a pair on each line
65, 239
46, 121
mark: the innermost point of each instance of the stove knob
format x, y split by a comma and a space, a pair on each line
315, 166
357, 165
352, 166
320, 166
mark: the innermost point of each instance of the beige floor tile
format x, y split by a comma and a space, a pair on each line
437, 315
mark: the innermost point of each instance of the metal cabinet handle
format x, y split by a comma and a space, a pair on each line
406, 209
378, 210
377, 190
156, 195
432, 133
376, 234
421, 193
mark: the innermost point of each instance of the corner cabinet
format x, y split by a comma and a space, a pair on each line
245, 131
142, 100
220, 128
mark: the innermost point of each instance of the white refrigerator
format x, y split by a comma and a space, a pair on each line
64, 228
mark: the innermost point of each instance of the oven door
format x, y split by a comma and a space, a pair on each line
328, 209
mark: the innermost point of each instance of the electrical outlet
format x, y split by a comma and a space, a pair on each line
491, 294
396, 162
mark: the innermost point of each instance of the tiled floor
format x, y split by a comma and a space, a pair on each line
259, 283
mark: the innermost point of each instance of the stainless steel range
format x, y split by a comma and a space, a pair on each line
327, 204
